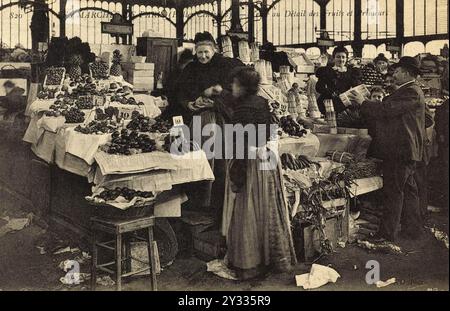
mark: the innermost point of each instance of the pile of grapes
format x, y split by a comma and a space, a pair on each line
130, 142
97, 127
128, 194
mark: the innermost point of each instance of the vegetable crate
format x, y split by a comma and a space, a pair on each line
209, 245
306, 236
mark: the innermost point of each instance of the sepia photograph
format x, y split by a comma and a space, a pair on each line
209, 146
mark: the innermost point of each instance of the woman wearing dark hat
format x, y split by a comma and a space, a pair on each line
204, 90
374, 74
335, 79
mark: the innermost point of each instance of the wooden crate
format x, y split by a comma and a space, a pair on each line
209, 245
140, 73
138, 66
306, 237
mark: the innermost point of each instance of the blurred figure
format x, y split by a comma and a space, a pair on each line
14, 100
175, 108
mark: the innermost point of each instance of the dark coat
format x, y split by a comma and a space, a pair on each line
197, 77
14, 101
331, 84
251, 109
400, 123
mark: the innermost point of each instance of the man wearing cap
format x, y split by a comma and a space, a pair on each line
400, 124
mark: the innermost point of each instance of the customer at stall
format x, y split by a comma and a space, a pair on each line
400, 121
389, 84
14, 100
255, 219
335, 80
202, 91
375, 73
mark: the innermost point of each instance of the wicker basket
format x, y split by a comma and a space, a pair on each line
111, 212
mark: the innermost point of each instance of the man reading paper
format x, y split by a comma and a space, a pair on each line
400, 125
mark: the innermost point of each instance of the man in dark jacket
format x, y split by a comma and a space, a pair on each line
14, 100
400, 122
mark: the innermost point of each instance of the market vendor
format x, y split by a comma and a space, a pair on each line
204, 90
400, 121
14, 100
255, 220
336, 79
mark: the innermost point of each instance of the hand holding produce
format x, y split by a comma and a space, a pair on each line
213, 91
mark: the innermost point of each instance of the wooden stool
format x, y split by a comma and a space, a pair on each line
120, 228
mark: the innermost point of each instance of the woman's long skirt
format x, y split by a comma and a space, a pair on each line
256, 223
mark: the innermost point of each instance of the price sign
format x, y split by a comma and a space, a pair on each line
126, 112
177, 120
98, 100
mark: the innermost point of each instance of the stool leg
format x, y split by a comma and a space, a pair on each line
94, 262
127, 264
119, 262
151, 258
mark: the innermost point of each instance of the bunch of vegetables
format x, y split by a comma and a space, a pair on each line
289, 161
291, 127
335, 187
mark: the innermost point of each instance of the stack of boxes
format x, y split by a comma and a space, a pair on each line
141, 75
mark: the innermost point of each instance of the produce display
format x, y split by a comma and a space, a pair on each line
84, 89
74, 70
124, 100
98, 127
341, 157
291, 127
116, 69
60, 107
84, 102
72, 115
46, 94
160, 126
363, 169
107, 113
290, 161
126, 193
139, 122
99, 70
55, 75
129, 142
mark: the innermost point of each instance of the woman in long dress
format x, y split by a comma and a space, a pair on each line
204, 91
255, 222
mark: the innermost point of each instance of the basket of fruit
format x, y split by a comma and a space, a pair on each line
122, 203
54, 78
99, 70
